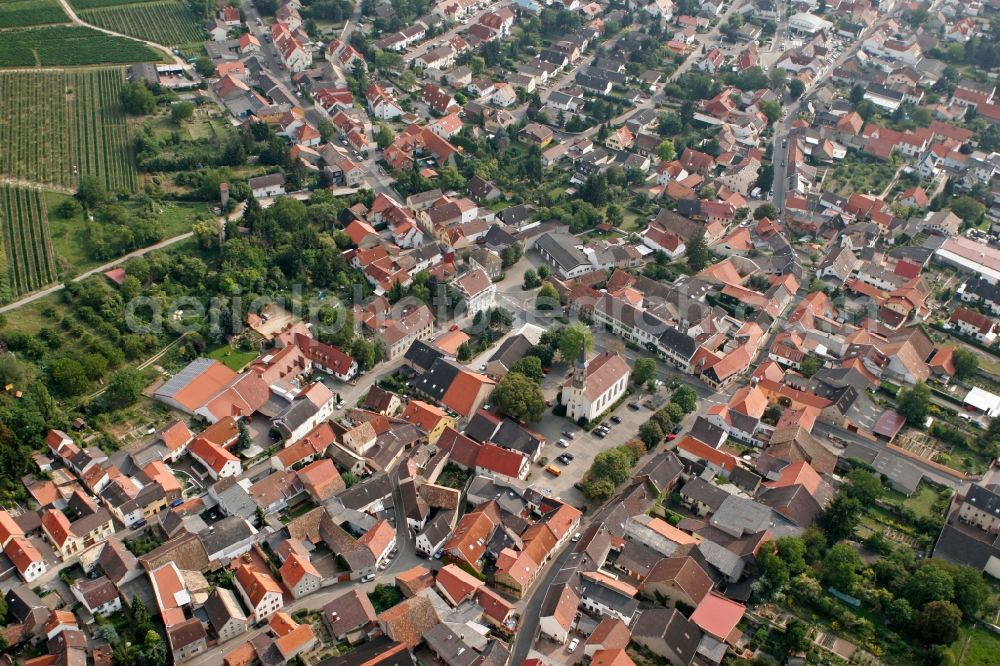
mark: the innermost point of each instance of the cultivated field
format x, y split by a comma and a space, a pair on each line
56, 126
21, 13
168, 22
59, 45
28, 258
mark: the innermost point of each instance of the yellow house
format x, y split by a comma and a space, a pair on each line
432, 420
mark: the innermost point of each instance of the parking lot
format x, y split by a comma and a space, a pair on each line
585, 445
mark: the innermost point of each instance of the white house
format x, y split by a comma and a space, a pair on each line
476, 290
219, 462
260, 592
23, 555
98, 595
595, 385
435, 535
271, 185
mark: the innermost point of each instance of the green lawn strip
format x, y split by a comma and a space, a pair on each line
235, 359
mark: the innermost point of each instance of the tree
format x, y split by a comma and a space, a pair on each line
792, 551
795, 88
548, 297
778, 78
651, 433
204, 66
864, 486
900, 613
137, 99
67, 376
930, 582
572, 339
773, 568
519, 397
840, 567
796, 638
697, 251
771, 109
971, 591
643, 370
91, 192
125, 387
666, 151
614, 465
857, 94
685, 397
598, 490
966, 363
384, 136
531, 280
529, 366
766, 210
810, 365
181, 111
913, 403
325, 128
544, 271
840, 518
967, 208
938, 623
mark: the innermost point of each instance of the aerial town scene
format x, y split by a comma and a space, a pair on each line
499, 332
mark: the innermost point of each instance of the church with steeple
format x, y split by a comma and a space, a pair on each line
595, 385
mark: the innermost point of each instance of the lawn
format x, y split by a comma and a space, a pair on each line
232, 358
976, 647
69, 235
921, 502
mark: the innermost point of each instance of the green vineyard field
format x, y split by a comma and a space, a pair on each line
29, 263
168, 22
57, 126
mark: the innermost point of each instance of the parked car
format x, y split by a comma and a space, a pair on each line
616, 419
633, 406
568, 456
572, 645
367, 579
567, 434
563, 443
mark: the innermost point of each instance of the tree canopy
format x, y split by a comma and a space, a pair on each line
519, 397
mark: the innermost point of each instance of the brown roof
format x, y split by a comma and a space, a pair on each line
186, 550
561, 605
685, 573
348, 612
610, 633
409, 620
414, 580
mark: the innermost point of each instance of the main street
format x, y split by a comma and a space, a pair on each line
376, 179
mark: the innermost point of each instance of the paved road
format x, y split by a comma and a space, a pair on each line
781, 130
932, 472
376, 179
93, 271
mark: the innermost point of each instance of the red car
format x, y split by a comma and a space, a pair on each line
546, 370
671, 437
454, 327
